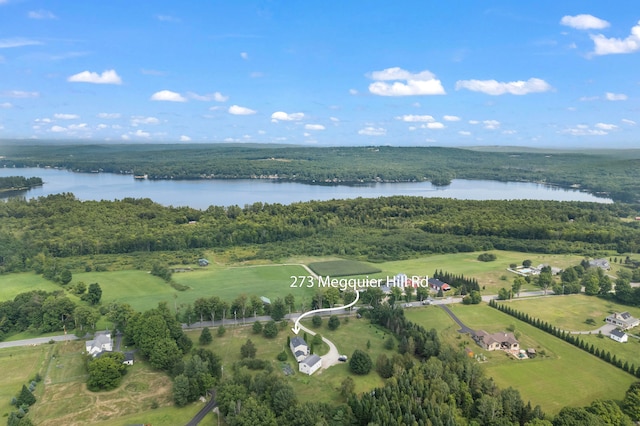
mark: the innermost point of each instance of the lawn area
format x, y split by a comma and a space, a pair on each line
140, 289
271, 281
627, 352
570, 312
564, 376
488, 274
341, 268
67, 401
351, 335
20, 366
13, 284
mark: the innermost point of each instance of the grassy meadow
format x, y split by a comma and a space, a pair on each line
559, 376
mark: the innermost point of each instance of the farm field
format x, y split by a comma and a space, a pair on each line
570, 312
551, 379
14, 284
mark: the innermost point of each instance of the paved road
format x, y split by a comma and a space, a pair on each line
463, 328
208, 407
37, 341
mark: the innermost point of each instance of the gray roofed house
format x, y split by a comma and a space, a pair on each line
496, 341
101, 343
299, 348
310, 364
600, 263
622, 320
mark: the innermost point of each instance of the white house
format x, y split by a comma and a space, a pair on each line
623, 320
101, 342
299, 348
310, 364
619, 336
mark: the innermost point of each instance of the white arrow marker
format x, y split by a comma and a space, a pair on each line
296, 326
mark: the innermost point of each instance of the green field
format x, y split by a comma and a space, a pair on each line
13, 284
562, 375
20, 366
570, 312
342, 268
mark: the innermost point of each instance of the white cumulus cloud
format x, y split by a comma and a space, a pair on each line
66, 116
491, 124
314, 127
107, 77
404, 83
434, 125
410, 118
493, 87
615, 96
185, 138
584, 22
137, 120
464, 133
451, 118
6, 105
629, 122
168, 96
238, 110
283, 116
606, 126
608, 46
58, 129
244, 55
373, 131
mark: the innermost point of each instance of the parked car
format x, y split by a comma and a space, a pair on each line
342, 358
426, 302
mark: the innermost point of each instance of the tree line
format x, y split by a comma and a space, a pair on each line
36, 234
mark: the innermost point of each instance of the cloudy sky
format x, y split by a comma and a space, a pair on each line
437, 73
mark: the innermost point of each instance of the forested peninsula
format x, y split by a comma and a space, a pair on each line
18, 183
613, 174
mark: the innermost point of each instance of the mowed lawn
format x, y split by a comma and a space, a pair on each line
488, 274
570, 312
13, 284
143, 291
563, 376
20, 366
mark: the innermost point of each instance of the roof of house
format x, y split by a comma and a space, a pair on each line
128, 356
265, 300
297, 341
312, 360
496, 337
618, 333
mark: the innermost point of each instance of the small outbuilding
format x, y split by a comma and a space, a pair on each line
619, 336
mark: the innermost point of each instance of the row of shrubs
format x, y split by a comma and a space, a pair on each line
568, 337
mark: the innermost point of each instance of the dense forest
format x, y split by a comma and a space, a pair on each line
610, 174
60, 226
17, 183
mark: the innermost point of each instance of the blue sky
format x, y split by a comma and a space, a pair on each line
430, 73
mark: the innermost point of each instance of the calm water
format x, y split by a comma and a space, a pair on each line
201, 194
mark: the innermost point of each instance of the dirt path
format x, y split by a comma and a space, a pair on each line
329, 359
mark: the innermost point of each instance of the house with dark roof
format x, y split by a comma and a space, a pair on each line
299, 348
310, 364
619, 336
438, 285
623, 320
496, 341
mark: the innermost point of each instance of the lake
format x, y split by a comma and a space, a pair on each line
201, 194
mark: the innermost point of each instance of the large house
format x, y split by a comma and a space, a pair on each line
101, 343
619, 336
310, 364
299, 348
496, 341
623, 320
